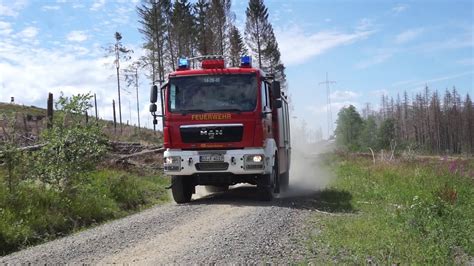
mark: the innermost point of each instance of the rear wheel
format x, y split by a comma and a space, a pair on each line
182, 188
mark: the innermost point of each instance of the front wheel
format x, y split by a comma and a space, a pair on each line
269, 184
181, 188
285, 180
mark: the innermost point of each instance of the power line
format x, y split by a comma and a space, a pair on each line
328, 102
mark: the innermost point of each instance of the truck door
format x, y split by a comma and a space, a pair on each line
266, 111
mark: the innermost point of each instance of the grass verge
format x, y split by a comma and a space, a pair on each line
405, 212
34, 212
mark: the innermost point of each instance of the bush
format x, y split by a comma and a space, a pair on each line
73, 147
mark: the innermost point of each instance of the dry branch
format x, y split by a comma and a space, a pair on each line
138, 154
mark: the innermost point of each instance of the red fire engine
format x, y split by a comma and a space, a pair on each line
223, 126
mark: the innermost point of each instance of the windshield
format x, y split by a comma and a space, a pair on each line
213, 93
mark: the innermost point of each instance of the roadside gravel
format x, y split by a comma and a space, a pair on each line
231, 227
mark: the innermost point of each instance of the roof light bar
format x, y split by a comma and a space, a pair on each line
183, 63
246, 61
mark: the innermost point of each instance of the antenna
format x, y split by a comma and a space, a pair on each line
328, 101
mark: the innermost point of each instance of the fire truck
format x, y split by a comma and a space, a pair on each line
223, 126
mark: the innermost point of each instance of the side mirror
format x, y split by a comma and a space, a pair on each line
153, 108
277, 104
276, 89
153, 94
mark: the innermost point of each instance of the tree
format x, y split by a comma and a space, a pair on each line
220, 21
204, 35
237, 47
154, 18
368, 135
257, 28
469, 124
349, 126
182, 29
386, 133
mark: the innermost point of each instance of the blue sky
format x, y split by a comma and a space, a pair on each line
369, 47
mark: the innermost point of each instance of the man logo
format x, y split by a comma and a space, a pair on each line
211, 133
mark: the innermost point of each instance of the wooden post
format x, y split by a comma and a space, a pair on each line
95, 104
50, 110
115, 118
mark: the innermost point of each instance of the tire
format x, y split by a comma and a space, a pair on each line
264, 188
181, 189
269, 184
285, 181
215, 189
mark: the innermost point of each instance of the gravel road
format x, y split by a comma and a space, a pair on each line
230, 227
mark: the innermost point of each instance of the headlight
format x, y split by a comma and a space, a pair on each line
254, 161
173, 160
257, 158
172, 163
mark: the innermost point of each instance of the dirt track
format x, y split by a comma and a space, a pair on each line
230, 227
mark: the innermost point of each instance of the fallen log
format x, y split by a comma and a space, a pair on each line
138, 154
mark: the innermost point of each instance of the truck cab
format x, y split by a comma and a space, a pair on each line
224, 126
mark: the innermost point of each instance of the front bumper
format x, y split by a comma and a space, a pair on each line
234, 162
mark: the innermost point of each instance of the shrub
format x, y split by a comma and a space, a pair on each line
73, 147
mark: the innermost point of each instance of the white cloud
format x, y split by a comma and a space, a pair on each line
47, 8
298, 46
399, 8
76, 6
77, 36
28, 73
12, 8
365, 24
442, 78
5, 28
28, 32
408, 35
98, 4
374, 60
343, 95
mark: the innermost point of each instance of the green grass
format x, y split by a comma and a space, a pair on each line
418, 212
34, 212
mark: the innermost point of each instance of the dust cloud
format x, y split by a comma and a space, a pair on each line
307, 172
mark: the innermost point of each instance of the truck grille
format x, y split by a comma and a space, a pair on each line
212, 133
212, 166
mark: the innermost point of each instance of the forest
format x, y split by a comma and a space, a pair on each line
172, 30
429, 122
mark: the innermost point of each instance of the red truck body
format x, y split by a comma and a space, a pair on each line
224, 126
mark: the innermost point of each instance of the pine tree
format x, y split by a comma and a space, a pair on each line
183, 29
153, 21
257, 29
205, 38
221, 18
469, 124
237, 47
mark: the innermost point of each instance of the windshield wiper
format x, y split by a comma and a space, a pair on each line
230, 110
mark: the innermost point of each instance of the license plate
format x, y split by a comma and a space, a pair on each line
212, 158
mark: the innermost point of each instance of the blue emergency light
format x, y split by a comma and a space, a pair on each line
246, 61
183, 63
